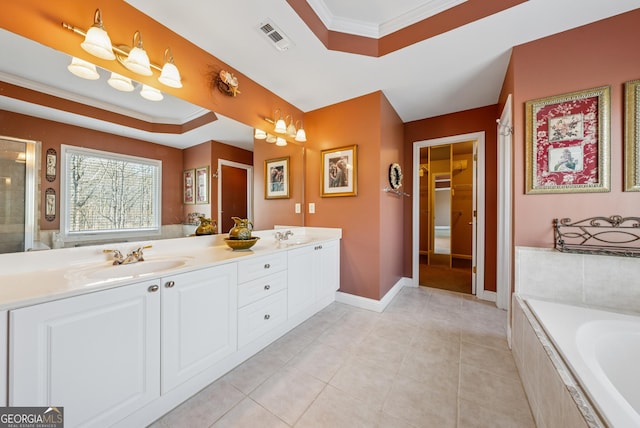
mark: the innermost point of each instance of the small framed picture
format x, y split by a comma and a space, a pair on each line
188, 186
567, 142
340, 172
52, 161
202, 185
276, 178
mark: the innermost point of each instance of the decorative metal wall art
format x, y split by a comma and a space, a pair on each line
615, 235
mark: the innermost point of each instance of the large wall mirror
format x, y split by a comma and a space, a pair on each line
43, 72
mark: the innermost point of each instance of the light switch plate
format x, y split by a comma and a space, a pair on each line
298, 208
312, 208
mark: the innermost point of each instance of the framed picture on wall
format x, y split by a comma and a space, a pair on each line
567, 142
202, 185
632, 137
276, 178
340, 172
188, 187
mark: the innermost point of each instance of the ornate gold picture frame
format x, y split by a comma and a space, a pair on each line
567, 142
632, 136
340, 171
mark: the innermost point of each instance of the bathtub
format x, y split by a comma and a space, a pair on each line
602, 350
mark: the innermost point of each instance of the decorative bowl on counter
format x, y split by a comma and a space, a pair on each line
241, 244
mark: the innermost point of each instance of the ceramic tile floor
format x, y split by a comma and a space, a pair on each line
433, 358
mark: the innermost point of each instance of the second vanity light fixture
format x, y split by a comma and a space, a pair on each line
98, 43
293, 130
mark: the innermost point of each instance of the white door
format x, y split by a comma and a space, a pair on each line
199, 322
96, 355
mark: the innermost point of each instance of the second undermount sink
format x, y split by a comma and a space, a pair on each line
116, 272
295, 240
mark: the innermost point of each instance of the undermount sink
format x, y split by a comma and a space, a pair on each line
116, 272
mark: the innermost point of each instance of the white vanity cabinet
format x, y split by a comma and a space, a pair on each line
96, 354
313, 276
199, 322
262, 296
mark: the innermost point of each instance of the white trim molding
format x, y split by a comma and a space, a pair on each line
372, 304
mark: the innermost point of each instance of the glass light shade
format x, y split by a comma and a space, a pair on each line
259, 134
170, 75
120, 82
291, 129
281, 141
151, 94
97, 41
301, 135
271, 138
281, 127
84, 69
138, 62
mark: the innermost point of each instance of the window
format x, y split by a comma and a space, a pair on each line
109, 195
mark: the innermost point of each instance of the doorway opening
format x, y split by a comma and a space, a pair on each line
448, 213
235, 195
18, 178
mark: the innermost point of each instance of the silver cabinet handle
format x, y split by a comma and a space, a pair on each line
267, 287
153, 288
267, 266
169, 284
267, 316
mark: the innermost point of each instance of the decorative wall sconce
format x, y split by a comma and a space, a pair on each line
294, 130
98, 43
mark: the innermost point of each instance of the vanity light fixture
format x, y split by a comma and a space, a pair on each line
280, 127
170, 75
150, 93
138, 60
291, 129
281, 142
97, 41
120, 82
271, 138
259, 134
83, 69
301, 135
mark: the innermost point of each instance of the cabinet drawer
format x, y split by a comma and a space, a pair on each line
260, 266
256, 319
257, 289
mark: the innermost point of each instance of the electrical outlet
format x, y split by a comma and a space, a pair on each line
298, 208
312, 208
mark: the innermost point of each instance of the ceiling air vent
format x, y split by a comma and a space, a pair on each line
276, 37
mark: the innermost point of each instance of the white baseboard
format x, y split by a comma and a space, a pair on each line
372, 304
490, 296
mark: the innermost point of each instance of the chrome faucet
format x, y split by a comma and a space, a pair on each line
133, 257
280, 236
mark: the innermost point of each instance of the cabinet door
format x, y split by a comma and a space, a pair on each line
95, 354
199, 322
302, 279
330, 269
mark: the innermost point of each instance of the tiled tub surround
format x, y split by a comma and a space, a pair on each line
555, 398
600, 282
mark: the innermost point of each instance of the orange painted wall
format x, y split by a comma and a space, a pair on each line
602, 53
53, 134
271, 212
367, 269
476, 120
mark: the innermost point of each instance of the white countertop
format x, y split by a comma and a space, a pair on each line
35, 277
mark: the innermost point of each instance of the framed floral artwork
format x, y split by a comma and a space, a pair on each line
202, 185
276, 178
188, 186
632, 136
340, 172
567, 142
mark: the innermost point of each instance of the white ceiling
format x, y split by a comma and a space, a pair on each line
455, 71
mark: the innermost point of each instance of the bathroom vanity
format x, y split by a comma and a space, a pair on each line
123, 345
